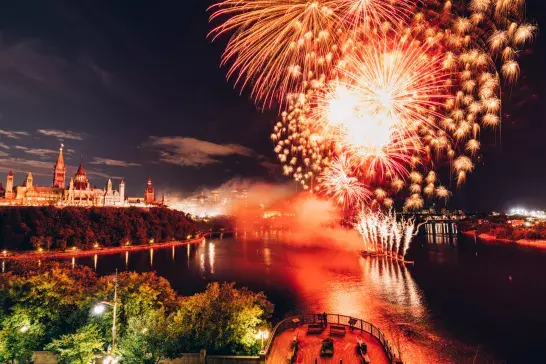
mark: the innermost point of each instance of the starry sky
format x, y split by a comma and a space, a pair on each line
134, 89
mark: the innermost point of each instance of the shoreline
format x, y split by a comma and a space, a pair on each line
25, 255
540, 244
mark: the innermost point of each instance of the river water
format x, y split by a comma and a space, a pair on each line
463, 301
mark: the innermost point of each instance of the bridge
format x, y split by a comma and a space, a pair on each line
435, 224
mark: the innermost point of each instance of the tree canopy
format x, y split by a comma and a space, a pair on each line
49, 227
50, 308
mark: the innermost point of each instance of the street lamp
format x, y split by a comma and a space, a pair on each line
262, 334
100, 308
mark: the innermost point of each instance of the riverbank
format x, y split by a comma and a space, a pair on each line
28, 255
541, 244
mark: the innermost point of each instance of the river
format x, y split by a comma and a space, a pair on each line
463, 301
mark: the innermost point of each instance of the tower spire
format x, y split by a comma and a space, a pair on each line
59, 171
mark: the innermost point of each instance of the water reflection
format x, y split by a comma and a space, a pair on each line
267, 256
393, 280
126, 260
211, 257
441, 233
152, 257
95, 261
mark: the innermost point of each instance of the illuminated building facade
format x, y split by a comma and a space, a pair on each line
149, 194
79, 191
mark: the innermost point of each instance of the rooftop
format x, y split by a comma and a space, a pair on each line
309, 345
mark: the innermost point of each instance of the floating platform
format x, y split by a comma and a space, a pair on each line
367, 253
374, 254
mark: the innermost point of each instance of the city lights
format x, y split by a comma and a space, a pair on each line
519, 211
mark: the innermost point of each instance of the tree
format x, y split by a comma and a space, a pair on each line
224, 319
81, 347
19, 337
148, 339
49, 307
139, 293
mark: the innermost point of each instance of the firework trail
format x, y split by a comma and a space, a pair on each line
275, 45
384, 232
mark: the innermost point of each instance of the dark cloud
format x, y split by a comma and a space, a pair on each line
13, 134
193, 152
62, 135
42, 152
114, 162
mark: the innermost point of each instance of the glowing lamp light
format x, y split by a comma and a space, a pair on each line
24, 328
262, 334
5, 252
96, 245
110, 360
99, 309
40, 250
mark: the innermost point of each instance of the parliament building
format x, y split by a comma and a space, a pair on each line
79, 191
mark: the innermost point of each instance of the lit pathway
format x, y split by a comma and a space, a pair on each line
309, 347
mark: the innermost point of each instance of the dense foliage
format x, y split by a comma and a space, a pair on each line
50, 307
48, 227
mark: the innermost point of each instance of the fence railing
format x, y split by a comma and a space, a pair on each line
392, 353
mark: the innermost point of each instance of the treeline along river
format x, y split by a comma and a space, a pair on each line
48, 227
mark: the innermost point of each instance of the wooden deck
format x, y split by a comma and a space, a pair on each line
309, 347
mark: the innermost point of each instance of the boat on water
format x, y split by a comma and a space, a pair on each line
369, 253
378, 254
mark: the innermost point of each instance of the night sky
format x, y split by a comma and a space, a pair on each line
134, 89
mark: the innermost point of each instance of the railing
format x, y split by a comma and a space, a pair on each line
392, 353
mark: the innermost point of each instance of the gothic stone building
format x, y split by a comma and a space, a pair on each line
79, 191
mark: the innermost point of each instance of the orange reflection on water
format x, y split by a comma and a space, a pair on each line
211, 257
267, 256
378, 290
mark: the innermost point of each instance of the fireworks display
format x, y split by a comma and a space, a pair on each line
384, 233
379, 99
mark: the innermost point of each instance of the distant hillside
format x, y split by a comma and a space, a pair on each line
26, 228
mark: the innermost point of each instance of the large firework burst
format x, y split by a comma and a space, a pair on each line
275, 45
376, 95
